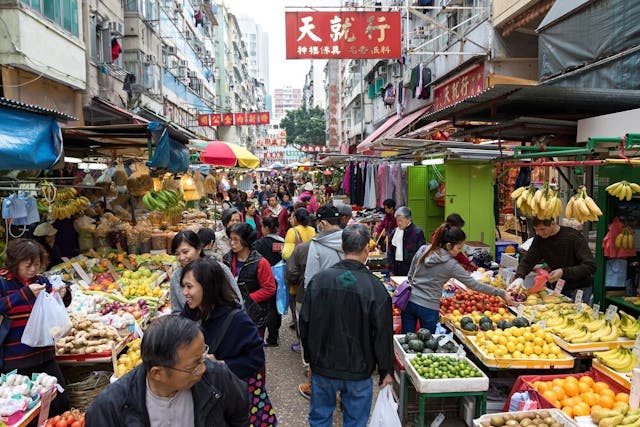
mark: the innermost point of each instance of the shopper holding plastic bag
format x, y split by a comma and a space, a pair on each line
385, 413
20, 285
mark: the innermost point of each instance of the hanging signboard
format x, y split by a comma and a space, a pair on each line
342, 35
463, 86
239, 119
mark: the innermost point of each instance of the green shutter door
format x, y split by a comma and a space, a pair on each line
417, 193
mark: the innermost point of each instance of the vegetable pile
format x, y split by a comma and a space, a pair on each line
438, 367
87, 337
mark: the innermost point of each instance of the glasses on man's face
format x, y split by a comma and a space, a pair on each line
195, 370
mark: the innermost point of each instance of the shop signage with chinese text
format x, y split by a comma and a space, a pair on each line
342, 34
465, 85
238, 119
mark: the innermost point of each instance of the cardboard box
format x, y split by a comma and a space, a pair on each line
505, 247
471, 247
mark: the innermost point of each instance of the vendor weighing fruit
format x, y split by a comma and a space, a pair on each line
566, 252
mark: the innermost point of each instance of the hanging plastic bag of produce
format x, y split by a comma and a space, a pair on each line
120, 175
140, 182
385, 413
47, 322
282, 293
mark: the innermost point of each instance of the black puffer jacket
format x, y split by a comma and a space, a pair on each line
219, 399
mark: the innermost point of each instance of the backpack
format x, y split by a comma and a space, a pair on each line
389, 96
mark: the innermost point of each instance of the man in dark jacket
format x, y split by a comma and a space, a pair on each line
346, 295
175, 384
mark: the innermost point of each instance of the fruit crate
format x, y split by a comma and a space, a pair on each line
590, 347
557, 414
446, 385
620, 378
405, 356
565, 362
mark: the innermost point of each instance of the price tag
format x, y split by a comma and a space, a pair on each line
112, 270
542, 324
559, 286
83, 274
611, 312
461, 353
579, 308
532, 316
579, 294
45, 403
438, 420
595, 313
127, 264
520, 311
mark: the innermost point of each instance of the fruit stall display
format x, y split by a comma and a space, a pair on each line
73, 418
89, 340
441, 373
477, 321
20, 394
128, 359
466, 302
617, 364
545, 417
519, 347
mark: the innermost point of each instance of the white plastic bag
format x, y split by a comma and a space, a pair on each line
385, 413
47, 322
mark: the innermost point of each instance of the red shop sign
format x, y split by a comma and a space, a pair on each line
342, 34
459, 88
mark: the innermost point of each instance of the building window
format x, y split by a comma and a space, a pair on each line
147, 74
62, 12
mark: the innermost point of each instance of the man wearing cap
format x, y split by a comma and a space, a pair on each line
346, 217
312, 206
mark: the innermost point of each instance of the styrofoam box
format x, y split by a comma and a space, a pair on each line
398, 347
446, 385
555, 413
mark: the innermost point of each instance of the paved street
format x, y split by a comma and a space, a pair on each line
284, 373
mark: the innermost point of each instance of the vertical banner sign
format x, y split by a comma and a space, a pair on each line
343, 34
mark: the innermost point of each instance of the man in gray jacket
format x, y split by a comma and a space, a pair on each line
325, 249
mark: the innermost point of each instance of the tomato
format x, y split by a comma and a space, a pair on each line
76, 424
62, 423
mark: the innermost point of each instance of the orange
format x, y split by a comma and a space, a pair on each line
589, 398
583, 387
536, 385
571, 379
571, 388
608, 392
568, 411
557, 382
622, 397
581, 409
551, 396
586, 379
557, 404
559, 391
544, 386
606, 401
598, 386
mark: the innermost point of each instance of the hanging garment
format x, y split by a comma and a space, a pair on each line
403, 186
346, 180
370, 188
359, 184
198, 18
418, 91
14, 208
380, 185
129, 80
413, 81
425, 78
31, 207
116, 49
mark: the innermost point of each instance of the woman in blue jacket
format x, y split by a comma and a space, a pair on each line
228, 331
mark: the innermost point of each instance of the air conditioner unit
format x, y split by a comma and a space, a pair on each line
421, 32
183, 62
382, 70
175, 64
198, 49
188, 36
181, 72
151, 59
192, 74
170, 50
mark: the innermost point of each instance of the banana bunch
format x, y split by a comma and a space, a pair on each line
629, 325
619, 359
161, 200
64, 207
623, 190
582, 207
624, 240
583, 328
66, 194
542, 203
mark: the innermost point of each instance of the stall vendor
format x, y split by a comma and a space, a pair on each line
566, 252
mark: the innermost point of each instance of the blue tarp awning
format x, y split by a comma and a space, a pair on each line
28, 140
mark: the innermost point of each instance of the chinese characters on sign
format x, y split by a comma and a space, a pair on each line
465, 85
339, 34
333, 121
229, 119
314, 148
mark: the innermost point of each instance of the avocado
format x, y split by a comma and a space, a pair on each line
520, 322
465, 319
432, 344
470, 327
502, 324
405, 347
486, 326
426, 350
416, 345
424, 334
410, 336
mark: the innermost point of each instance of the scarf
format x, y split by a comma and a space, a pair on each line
396, 241
275, 212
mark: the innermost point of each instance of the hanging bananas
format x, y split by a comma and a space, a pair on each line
623, 190
542, 203
66, 204
624, 240
582, 207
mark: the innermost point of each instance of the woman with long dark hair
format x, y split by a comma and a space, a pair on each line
431, 267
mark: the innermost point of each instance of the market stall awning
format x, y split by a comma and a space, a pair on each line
100, 112
401, 126
368, 141
226, 154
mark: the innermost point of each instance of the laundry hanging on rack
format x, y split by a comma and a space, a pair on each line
20, 209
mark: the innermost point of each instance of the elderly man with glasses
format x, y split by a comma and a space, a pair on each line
176, 384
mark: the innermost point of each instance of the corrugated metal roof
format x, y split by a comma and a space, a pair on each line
6, 102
